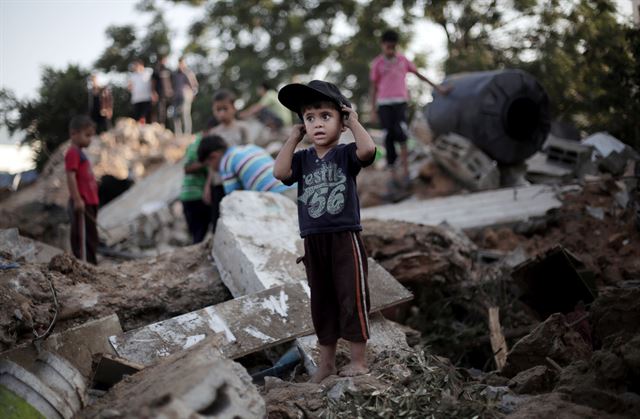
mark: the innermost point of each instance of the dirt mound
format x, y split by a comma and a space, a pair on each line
590, 223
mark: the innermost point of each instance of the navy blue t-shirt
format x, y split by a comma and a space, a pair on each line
327, 193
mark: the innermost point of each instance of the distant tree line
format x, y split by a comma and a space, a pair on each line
586, 59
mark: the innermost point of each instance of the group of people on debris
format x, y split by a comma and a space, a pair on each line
157, 95
321, 178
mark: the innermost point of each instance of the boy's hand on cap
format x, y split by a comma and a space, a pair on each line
297, 132
349, 116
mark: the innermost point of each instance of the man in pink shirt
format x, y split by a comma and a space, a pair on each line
389, 98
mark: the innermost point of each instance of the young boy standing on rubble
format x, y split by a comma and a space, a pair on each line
329, 217
83, 190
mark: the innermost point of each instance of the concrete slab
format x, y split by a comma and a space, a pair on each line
244, 325
198, 382
30, 250
257, 242
150, 195
77, 345
477, 210
251, 259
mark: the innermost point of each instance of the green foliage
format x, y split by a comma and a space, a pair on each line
434, 389
62, 94
247, 42
586, 60
127, 46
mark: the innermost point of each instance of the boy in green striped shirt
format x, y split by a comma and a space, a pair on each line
196, 211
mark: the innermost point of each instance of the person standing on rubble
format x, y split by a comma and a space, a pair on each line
83, 190
142, 95
162, 85
329, 217
185, 88
389, 96
196, 211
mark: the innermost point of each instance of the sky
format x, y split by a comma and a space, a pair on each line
34, 33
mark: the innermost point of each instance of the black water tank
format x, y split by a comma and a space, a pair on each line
505, 113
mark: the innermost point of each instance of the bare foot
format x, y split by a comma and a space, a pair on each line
352, 370
322, 373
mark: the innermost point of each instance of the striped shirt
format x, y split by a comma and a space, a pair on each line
249, 167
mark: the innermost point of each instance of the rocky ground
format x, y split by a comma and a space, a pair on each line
581, 363
140, 292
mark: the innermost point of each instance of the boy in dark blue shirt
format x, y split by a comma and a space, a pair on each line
329, 217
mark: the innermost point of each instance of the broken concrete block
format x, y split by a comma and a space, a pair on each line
552, 339
23, 248
604, 144
253, 259
554, 281
257, 242
155, 192
246, 324
77, 345
466, 162
535, 380
198, 382
541, 170
477, 210
570, 154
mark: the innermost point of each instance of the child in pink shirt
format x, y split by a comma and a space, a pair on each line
389, 98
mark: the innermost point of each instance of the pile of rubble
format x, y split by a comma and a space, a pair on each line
140, 291
529, 291
129, 152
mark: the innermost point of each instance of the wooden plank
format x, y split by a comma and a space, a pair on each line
246, 324
498, 343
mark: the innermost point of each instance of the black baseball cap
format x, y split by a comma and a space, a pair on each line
294, 96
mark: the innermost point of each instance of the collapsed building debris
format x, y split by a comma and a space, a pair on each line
272, 298
144, 213
476, 210
128, 151
192, 383
180, 282
20, 248
466, 162
580, 362
78, 345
